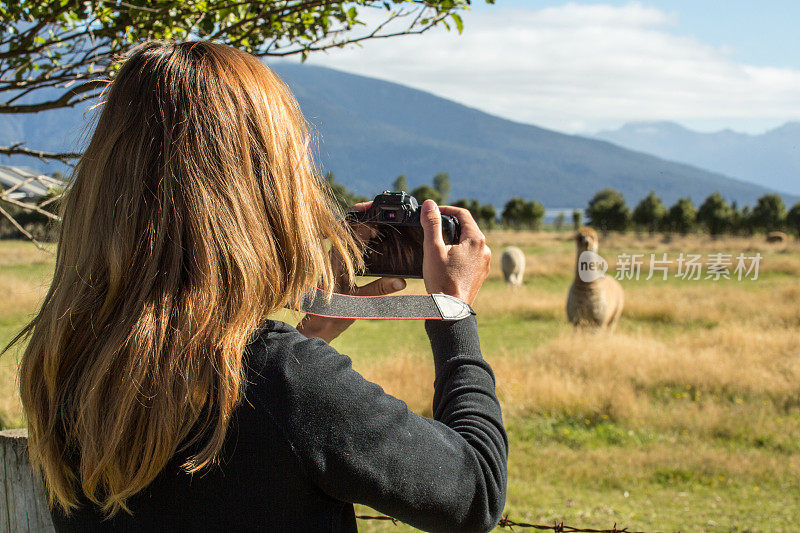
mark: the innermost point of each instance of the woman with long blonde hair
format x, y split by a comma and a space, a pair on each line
157, 392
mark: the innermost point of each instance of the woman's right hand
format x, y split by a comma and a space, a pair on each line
459, 269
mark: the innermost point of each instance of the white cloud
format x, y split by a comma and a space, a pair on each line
579, 68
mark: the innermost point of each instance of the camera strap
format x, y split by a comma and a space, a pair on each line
391, 307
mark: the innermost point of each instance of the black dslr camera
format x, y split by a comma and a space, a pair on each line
393, 237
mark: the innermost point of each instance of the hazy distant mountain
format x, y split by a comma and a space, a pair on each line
370, 131
59, 130
771, 159
373, 130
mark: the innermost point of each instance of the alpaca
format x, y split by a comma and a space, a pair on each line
596, 303
777, 236
513, 263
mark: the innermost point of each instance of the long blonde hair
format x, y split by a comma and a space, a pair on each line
195, 212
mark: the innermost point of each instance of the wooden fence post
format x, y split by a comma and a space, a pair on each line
23, 504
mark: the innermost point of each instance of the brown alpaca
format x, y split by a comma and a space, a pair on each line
777, 236
595, 303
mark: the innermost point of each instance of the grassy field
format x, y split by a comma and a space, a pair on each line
686, 418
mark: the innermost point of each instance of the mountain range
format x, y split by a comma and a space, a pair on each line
771, 159
369, 131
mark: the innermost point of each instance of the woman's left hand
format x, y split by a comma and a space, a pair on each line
328, 329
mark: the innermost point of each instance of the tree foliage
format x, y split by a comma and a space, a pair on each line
577, 219
715, 214
608, 211
487, 216
681, 217
769, 213
533, 214
438, 193
400, 183
59, 53
741, 220
558, 222
441, 182
484, 214
519, 213
343, 197
512, 212
426, 192
649, 212
793, 219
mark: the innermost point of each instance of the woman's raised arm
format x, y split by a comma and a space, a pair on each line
361, 445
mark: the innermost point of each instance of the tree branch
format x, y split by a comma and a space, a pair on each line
370, 36
29, 207
18, 149
65, 100
23, 230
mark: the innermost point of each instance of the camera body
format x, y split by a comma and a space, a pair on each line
402, 209
395, 243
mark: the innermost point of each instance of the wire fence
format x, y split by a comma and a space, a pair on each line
506, 522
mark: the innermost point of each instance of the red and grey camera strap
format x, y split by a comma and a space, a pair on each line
391, 307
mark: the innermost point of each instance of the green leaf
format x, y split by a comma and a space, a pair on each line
459, 23
207, 25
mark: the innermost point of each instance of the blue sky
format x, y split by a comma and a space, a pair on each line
763, 33
583, 66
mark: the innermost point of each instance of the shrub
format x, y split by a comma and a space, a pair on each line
715, 214
607, 211
649, 213
681, 217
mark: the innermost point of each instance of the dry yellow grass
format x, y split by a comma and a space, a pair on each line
692, 407
596, 374
552, 252
731, 338
24, 276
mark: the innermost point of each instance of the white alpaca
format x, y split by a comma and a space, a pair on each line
513, 263
596, 303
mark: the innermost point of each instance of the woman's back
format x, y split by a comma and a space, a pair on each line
313, 436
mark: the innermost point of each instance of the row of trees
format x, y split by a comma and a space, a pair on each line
607, 210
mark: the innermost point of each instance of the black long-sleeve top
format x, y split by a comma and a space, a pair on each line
313, 437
